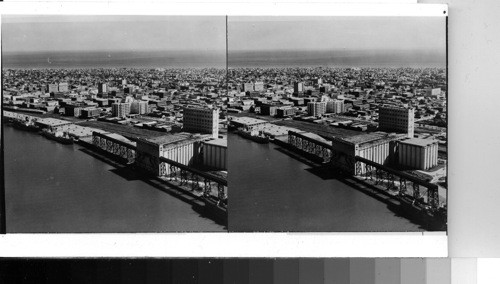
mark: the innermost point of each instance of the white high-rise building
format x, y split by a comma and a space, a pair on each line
258, 86
102, 88
335, 106
139, 107
201, 120
120, 109
316, 108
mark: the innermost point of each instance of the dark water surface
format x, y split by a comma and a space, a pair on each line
114, 59
272, 191
52, 187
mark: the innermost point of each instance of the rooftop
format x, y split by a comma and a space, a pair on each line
364, 138
419, 142
52, 121
217, 142
174, 138
248, 120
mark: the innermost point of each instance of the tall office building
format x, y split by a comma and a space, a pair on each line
102, 88
316, 108
139, 107
298, 87
247, 87
63, 87
335, 106
397, 119
120, 109
201, 120
258, 86
52, 88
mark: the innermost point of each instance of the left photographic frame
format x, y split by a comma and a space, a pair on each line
114, 124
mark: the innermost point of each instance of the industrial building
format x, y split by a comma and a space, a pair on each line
377, 147
316, 108
285, 111
397, 119
120, 109
89, 112
247, 123
418, 154
201, 120
74, 109
51, 124
215, 154
268, 109
183, 148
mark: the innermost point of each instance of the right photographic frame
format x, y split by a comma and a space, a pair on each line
337, 124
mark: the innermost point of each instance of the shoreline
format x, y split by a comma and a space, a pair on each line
204, 205
393, 201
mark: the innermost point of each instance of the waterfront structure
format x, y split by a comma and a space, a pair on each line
183, 148
376, 147
247, 123
201, 120
139, 107
397, 119
335, 106
316, 108
51, 124
215, 154
418, 154
120, 109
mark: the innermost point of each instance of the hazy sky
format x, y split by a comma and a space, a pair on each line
320, 33
110, 33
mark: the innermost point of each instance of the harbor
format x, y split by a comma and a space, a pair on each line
94, 187
401, 200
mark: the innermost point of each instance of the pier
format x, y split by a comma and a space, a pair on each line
416, 197
209, 190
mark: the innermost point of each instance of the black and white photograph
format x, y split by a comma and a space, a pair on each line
337, 124
114, 124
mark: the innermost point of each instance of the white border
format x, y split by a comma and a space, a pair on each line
241, 9
225, 244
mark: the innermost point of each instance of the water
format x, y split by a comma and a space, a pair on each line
217, 59
52, 187
271, 191
114, 59
337, 58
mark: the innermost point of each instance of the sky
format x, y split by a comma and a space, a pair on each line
113, 33
326, 33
